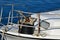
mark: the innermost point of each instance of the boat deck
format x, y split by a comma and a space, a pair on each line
50, 33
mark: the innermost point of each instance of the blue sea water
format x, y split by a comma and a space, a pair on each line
35, 6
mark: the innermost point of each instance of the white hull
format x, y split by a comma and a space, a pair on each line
50, 34
9, 37
14, 35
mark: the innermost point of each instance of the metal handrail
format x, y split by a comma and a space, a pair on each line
1, 14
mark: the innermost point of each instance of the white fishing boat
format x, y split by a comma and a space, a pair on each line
41, 26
